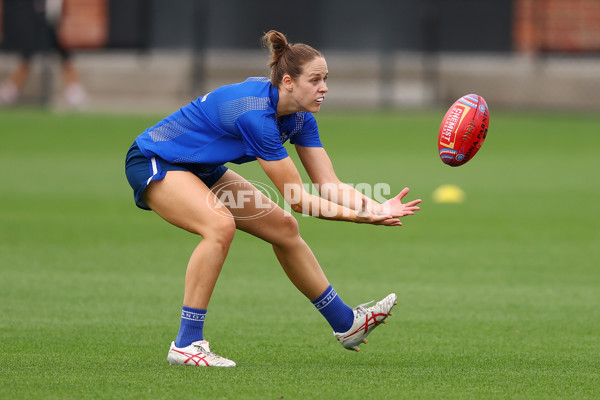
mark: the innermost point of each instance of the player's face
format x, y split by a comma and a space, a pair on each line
310, 87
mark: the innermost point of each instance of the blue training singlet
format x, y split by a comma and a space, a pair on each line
234, 123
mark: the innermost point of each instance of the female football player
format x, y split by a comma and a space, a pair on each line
176, 169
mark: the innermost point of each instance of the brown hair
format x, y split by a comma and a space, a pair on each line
287, 58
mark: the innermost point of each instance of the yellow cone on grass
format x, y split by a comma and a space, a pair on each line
448, 194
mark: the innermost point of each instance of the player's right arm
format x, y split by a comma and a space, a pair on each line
320, 169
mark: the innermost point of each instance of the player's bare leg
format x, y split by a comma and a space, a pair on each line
280, 229
181, 199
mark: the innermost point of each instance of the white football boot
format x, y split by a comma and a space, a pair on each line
365, 320
197, 354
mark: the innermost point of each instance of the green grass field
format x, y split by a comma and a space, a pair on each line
499, 296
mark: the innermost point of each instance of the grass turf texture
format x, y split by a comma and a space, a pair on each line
498, 296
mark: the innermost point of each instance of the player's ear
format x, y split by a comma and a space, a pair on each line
287, 82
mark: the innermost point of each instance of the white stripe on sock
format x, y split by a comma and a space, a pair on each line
327, 299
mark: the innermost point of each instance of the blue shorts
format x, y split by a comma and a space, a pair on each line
141, 170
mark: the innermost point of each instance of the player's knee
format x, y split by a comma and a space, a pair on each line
218, 232
287, 229
222, 231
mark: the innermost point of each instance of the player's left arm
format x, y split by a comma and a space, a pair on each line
320, 169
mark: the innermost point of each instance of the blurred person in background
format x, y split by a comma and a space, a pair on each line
47, 18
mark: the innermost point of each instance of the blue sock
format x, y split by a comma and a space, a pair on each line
192, 324
335, 311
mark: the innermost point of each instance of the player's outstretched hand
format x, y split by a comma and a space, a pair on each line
396, 208
365, 216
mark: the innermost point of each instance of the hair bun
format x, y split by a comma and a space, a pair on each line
277, 44
286, 58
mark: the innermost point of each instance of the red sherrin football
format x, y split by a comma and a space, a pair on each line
463, 130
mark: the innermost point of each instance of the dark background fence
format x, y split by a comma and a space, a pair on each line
382, 29
464, 25
470, 25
